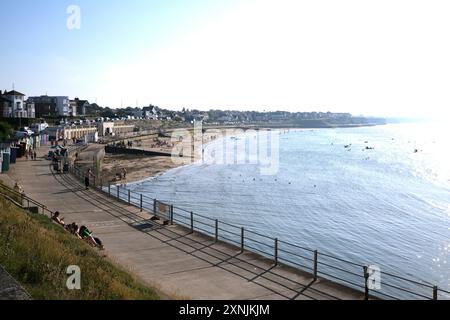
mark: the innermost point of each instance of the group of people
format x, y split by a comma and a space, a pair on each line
158, 143
122, 175
82, 232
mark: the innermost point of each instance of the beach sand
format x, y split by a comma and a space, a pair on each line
140, 167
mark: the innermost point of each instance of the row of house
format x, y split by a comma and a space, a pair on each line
14, 105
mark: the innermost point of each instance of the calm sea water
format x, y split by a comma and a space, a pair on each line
388, 206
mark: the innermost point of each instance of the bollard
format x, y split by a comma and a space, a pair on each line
141, 202
316, 255
154, 206
109, 189
171, 214
216, 238
129, 196
118, 190
366, 283
192, 222
276, 251
242, 239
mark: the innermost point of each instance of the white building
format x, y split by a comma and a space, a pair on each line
13, 105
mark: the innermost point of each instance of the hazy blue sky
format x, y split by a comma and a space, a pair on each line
365, 57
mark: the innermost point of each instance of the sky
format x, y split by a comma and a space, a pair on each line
380, 58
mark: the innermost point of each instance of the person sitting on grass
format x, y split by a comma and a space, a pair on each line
86, 234
57, 219
73, 229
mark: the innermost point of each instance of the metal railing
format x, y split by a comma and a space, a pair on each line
318, 264
24, 202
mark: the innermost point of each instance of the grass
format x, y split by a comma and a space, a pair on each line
37, 252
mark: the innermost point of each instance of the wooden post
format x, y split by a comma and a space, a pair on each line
316, 255
109, 189
154, 206
435, 292
276, 251
366, 283
141, 203
118, 190
216, 238
192, 222
129, 196
242, 239
171, 214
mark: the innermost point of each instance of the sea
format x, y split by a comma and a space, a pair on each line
376, 196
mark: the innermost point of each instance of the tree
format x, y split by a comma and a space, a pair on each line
5, 130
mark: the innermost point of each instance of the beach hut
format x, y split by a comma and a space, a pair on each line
5, 150
13, 157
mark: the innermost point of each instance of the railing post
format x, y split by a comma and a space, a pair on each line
216, 237
129, 196
435, 292
276, 251
192, 222
316, 256
171, 214
242, 239
141, 202
109, 189
366, 283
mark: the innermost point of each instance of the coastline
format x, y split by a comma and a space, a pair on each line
141, 167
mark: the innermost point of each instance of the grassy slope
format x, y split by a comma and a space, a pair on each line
37, 252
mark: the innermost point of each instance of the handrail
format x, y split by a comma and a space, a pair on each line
22, 198
233, 237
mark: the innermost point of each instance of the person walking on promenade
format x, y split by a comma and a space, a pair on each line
87, 177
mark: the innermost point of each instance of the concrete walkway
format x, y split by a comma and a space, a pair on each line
10, 289
180, 264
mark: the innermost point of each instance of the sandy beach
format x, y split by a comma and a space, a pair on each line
140, 167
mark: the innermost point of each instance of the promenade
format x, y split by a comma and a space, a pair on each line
10, 289
180, 264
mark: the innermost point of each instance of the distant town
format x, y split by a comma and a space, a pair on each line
60, 110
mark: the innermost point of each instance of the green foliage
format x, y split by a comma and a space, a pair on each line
5, 130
